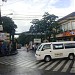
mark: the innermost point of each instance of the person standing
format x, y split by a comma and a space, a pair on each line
27, 47
0, 48
3, 48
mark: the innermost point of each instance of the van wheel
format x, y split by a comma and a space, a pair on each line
47, 58
71, 56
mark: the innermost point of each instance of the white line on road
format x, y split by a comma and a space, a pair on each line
49, 67
73, 68
35, 66
41, 67
31, 64
66, 66
59, 66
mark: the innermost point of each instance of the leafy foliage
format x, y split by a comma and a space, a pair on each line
47, 25
8, 24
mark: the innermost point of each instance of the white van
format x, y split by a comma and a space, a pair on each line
52, 50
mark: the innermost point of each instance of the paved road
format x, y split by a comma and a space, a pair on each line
24, 63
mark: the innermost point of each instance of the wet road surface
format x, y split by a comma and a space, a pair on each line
24, 63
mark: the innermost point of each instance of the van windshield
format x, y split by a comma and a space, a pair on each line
38, 49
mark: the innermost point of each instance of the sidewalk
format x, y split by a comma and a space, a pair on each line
9, 54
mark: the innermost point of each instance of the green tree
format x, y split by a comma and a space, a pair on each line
47, 25
35, 27
24, 39
8, 24
21, 39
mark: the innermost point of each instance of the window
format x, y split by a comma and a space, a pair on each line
39, 47
69, 45
58, 46
66, 27
63, 27
73, 25
69, 26
47, 46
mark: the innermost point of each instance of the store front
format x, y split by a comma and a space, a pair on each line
67, 36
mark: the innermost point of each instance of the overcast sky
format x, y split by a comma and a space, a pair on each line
27, 10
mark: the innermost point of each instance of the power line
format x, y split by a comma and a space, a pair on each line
19, 15
14, 2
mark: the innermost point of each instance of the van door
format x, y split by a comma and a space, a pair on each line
58, 50
46, 50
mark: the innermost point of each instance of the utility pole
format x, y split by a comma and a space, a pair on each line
0, 11
0, 16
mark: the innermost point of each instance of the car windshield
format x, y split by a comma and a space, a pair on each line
39, 47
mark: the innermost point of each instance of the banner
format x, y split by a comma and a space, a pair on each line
1, 28
37, 40
2, 36
5, 36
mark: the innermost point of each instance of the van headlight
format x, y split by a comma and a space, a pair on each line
38, 54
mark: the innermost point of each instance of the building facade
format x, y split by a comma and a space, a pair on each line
68, 26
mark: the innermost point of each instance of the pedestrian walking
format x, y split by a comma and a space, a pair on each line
8, 47
3, 48
0, 48
27, 47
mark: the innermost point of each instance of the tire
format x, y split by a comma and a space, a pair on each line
71, 56
47, 58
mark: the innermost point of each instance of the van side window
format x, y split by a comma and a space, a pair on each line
69, 45
58, 46
47, 46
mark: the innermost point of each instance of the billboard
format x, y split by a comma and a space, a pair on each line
4, 36
1, 28
37, 40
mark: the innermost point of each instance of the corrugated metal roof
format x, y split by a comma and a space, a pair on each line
68, 16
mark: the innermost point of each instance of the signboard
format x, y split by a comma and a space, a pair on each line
69, 33
2, 36
1, 28
37, 40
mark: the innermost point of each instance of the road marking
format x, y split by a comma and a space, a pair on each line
13, 63
66, 66
73, 68
24, 64
32, 64
44, 65
5, 63
10, 61
35, 66
59, 66
21, 63
49, 67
